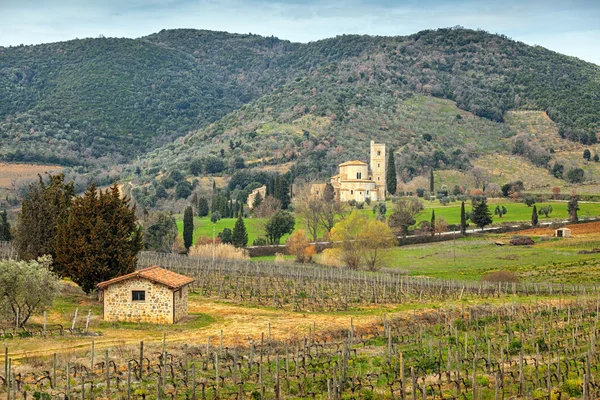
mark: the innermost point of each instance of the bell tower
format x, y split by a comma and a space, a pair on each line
378, 165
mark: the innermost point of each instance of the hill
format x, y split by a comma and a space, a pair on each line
105, 100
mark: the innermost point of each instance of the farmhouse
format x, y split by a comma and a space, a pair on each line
358, 180
151, 294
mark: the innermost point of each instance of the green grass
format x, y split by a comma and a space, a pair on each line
554, 260
203, 227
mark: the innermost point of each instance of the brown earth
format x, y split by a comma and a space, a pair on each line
21, 173
586, 229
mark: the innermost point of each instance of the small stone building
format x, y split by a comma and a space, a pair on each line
151, 294
562, 232
252, 196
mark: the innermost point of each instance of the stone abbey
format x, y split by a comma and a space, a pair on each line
357, 180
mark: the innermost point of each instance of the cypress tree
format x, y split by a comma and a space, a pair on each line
572, 208
431, 182
463, 219
534, 216
432, 222
390, 174
257, 200
5, 234
202, 207
188, 227
239, 237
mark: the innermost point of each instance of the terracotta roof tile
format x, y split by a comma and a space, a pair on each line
354, 162
155, 274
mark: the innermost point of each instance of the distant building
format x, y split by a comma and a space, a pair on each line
562, 232
151, 294
252, 196
358, 180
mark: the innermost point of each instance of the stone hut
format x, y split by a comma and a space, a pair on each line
151, 294
562, 232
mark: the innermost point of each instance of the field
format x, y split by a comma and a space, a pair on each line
13, 176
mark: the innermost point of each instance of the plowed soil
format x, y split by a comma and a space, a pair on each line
586, 229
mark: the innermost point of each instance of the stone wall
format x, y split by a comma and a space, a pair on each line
181, 303
157, 308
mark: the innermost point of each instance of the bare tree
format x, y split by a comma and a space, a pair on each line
404, 214
480, 177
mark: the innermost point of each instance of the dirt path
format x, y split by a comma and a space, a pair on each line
240, 326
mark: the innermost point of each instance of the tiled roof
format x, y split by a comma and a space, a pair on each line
155, 274
354, 162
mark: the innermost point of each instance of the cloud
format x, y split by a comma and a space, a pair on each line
567, 27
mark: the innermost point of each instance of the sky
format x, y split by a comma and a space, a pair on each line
568, 27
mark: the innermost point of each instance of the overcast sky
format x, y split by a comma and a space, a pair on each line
569, 27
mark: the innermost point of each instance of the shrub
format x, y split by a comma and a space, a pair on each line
297, 245
500, 276
219, 251
360, 205
259, 242
420, 192
206, 240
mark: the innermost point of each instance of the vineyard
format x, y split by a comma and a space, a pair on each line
540, 350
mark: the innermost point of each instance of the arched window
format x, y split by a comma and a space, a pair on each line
358, 175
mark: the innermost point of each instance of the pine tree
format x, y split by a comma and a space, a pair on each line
5, 234
534, 216
100, 240
481, 214
390, 175
463, 219
188, 227
431, 182
239, 237
432, 224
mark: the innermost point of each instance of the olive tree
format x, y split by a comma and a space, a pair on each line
26, 288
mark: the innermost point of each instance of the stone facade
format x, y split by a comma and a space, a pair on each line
358, 180
162, 305
263, 193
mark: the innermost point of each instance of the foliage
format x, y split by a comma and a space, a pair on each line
390, 177
545, 210
573, 207
404, 213
215, 216
480, 214
328, 192
257, 200
575, 175
225, 236
500, 211
100, 239
281, 223
26, 288
534, 216
188, 227
298, 245
239, 237
5, 232
45, 208
202, 207
160, 232
463, 218
587, 155
529, 200
362, 241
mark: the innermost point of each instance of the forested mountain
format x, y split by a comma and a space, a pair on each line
103, 101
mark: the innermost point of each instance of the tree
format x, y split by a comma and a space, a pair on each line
257, 200
202, 207
5, 233
45, 207
529, 201
215, 216
596, 158
281, 223
404, 213
573, 207
160, 232
26, 288
308, 209
101, 238
441, 226
545, 210
432, 223
297, 245
431, 181
390, 174
500, 211
328, 192
239, 237
225, 236
587, 155
480, 214
534, 216
188, 227
575, 175
360, 240
267, 207
463, 219
480, 177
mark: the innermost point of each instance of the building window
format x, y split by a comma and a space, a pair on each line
378, 178
138, 295
352, 192
377, 165
367, 192
378, 152
359, 175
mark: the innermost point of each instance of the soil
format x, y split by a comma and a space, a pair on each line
584, 229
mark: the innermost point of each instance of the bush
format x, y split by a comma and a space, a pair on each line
420, 192
360, 205
259, 242
219, 251
500, 276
